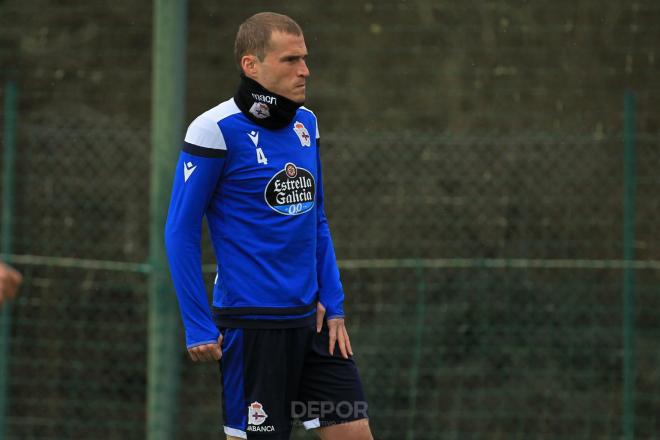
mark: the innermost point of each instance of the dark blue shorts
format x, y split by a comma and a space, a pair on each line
273, 377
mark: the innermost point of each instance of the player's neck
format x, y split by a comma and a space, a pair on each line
264, 107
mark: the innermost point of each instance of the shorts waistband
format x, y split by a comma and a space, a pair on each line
242, 322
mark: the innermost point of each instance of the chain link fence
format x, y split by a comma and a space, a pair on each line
507, 325
482, 260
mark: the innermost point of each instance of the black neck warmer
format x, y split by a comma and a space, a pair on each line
262, 107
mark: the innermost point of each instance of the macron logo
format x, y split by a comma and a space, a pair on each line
254, 136
188, 169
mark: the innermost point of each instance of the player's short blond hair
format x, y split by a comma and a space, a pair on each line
253, 36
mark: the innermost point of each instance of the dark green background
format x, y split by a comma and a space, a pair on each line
475, 130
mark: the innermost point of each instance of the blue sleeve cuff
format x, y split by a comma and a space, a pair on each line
197, 344
333, 302
335, 316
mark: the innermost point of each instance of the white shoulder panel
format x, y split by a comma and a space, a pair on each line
315, 120
204, 130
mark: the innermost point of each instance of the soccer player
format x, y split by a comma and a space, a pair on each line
252, 166
10, 280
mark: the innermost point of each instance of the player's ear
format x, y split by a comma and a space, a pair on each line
249, 65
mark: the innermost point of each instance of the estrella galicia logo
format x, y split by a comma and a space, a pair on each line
291, 191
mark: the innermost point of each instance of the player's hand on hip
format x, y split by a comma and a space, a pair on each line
207, 352
339, 335
320, 314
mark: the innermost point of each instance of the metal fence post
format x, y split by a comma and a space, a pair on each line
167, 113
420, 316
629, 163
8, 189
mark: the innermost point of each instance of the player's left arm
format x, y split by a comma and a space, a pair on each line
331, 292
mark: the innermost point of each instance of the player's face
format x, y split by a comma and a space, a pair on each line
284, 70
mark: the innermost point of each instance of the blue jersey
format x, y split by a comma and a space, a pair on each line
261, 191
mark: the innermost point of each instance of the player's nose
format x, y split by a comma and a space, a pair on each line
303, 70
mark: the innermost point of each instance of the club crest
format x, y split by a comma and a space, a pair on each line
260, 110
303, 134
256, 414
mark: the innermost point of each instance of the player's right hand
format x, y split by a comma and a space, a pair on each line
206, 352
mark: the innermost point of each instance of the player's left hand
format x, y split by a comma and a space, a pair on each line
337, 333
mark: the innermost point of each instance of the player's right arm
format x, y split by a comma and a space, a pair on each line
197, 174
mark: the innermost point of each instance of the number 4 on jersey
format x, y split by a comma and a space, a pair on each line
261, 158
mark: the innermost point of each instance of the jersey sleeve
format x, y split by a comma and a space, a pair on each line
197, 174
331, 292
